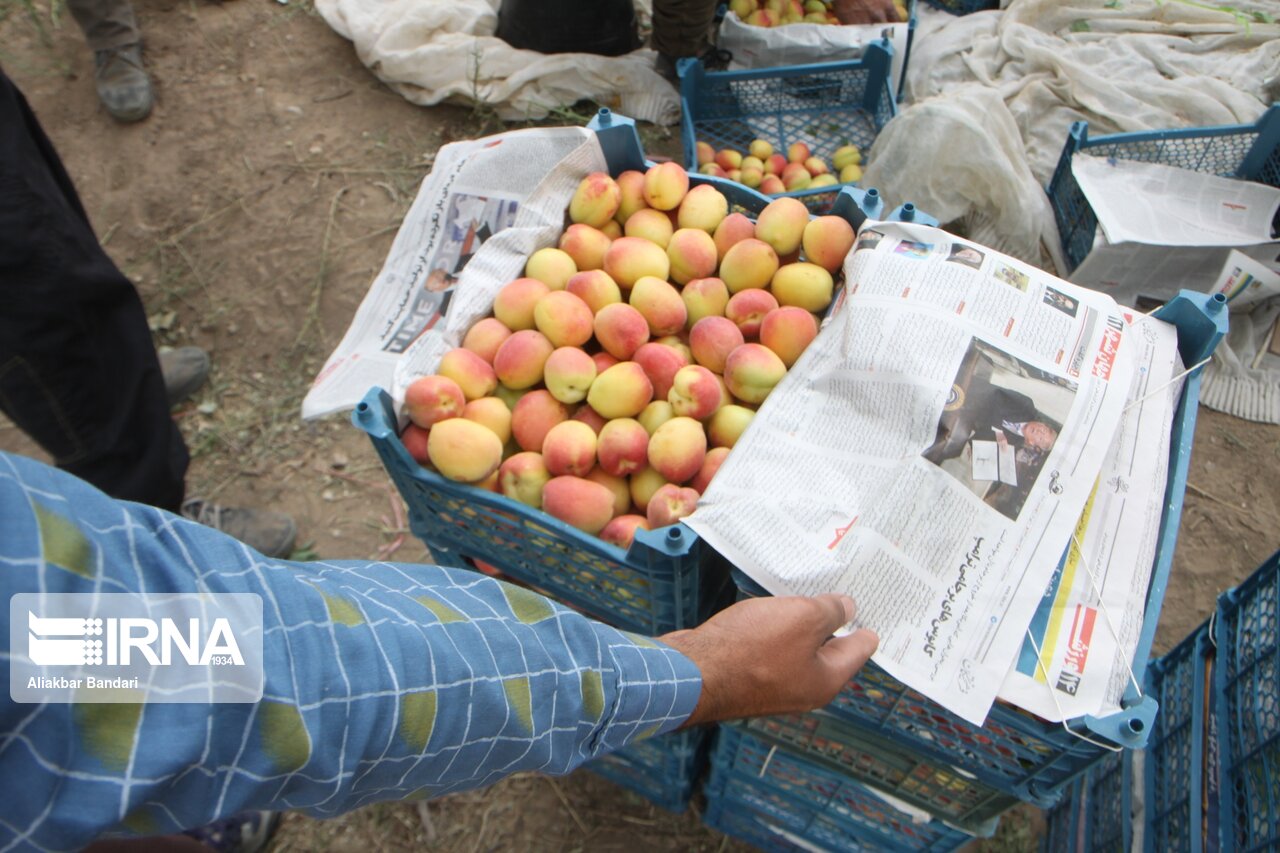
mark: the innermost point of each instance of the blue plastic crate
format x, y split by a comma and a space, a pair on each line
964, 7
1063, 830
668, 579
857, 755
748, 826
1251, 152
1016, 752
788, 794
1095, 812
662, 769
1108, 787
825, 105
1247, 687
1173, 776
912, 20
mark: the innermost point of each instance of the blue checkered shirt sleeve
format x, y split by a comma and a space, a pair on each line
382, 681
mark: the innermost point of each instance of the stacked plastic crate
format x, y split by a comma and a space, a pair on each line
667, 580
1093, 814
893, 742
1211, 771
1246, 720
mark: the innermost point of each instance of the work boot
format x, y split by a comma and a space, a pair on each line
243, 832
184, 369
123, 85
271, 534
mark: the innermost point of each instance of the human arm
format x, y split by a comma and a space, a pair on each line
865, 11
382, 681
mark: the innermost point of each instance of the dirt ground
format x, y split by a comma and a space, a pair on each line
253, 208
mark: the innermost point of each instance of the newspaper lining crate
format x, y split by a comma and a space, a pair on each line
928, 784
1174, 762
1094, 813
1016, 752
825, 105
1251, 152
785, 793
663, 769
1247, 688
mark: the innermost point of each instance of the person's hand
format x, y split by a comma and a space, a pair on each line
773, 656
865, 11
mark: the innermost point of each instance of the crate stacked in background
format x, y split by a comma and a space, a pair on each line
1247, 712
777, 800
894, 740
824, 105
667, 580
1098, 812
1249, 152
899, 84
1210, 775
1173, 778
1094, 812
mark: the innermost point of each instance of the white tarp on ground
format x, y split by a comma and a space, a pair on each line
993, 95
436, 51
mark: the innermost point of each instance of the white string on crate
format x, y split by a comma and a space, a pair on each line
1181, 375
767, 759
1106, 614
1061, 713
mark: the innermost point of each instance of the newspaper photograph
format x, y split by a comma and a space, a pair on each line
1077, 658
930, 454
476, 192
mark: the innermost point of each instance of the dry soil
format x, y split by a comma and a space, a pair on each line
253, 208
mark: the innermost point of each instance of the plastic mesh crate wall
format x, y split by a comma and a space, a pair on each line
1063, 832
663, 769
900, 84
660, 584
792, 795
1095, 812
1251, 152
825, 105
1247, 681
1174, 760
1016, 752
926, 783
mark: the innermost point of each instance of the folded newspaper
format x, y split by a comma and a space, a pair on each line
1162, 229
487, 204
961, 420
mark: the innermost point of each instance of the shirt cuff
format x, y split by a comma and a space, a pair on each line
657, 690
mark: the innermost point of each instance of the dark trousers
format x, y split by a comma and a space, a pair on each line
681, 27
78, 371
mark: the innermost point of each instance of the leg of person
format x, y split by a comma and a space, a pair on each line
681, 28
112, 34
78, 370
